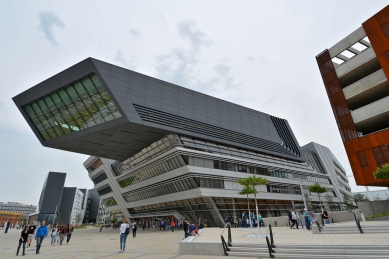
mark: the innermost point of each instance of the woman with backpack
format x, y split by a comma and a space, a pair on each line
124, 231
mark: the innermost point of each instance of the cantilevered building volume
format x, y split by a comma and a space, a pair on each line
355, 72
158, 149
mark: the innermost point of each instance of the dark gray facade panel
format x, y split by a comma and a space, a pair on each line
52, 192
127, 88
67, 201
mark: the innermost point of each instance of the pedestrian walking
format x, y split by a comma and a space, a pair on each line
172, 225
307, 219
41, 232
326, 217
294, 219
23, 240
134, 228
31, 232
154, 226
101, 227
70, 232
62, 233
260, 220
54, 232
124, 231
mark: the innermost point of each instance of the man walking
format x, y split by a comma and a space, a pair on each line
260, 220
31, 232
294, 219
41, 232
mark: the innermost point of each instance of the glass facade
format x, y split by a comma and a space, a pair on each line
193, 209
110, 202
283, 189
151, 171
99, 178
94, 166
264, 171
104, 190
79, 105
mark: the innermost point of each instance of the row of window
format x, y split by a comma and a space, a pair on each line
110, 202
264, 171
104, 191
283, 189
172, 187
100, 178
94, 166
80, 105
154, 170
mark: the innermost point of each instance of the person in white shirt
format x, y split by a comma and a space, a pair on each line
294, 219
124, 231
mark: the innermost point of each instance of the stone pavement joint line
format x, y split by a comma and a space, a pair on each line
90, 243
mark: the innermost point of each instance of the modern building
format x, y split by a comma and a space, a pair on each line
56, 199
355, 73
378, 195
92, 207
158, 149
103, 216
25, 209
323, 160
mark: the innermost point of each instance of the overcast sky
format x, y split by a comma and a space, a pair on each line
259, 54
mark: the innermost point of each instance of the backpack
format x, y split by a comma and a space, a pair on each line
127, 231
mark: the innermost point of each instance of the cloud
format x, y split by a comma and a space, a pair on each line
187, 30
47, 22
127, 63
135, 32
259, 59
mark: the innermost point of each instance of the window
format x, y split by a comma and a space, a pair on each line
94, 166
381, 154
80, 105
99, 178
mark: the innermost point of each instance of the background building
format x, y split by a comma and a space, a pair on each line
92, 206
355, 72
25, 209
68, 203
158, 149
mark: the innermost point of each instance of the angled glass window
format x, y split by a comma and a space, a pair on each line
77, 106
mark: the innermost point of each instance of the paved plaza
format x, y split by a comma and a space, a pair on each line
90, 243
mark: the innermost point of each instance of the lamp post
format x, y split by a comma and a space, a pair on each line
55, 213
302, 193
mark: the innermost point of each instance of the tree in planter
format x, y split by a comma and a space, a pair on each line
358, 197
330, 203
348, 202
78, 218
247, 190
382, 173
317, 188
254, 181
308, 201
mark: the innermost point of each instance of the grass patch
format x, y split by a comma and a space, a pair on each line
378, 216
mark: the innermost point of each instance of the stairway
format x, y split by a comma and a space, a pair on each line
339, 228
310, 251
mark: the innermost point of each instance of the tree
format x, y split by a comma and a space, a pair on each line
78, 218
382, 173
348, 202
358, 197
24, 221
317, 188
330, 202
254, 181
247, 190
58, 218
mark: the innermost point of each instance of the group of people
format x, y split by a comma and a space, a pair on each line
41, 232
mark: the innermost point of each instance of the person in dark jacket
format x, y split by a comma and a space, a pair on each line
186, 228
70, 232
23, 239
41, 232
62, 233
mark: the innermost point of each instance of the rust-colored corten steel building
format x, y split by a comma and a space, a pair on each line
355, 72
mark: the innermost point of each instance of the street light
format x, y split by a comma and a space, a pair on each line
55, 213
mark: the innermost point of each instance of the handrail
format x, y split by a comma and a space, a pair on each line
229, 235
225, 247
271, 237
318, 226
225, 227
358, 223
269, 248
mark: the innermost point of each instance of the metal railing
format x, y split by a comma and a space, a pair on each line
269, 247
271, 236
358, 223
225, 247
224, 244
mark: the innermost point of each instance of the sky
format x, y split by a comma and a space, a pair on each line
259, 54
